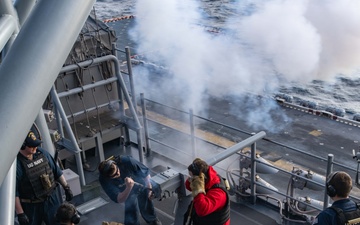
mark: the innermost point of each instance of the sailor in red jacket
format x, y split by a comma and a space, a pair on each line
211, 204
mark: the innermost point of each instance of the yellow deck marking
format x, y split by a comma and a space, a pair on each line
316, 133
185, 128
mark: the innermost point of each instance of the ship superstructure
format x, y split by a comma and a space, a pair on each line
71, 80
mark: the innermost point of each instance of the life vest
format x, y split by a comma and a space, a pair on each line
347, 218
40, 181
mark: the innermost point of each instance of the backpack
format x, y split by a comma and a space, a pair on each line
347, 218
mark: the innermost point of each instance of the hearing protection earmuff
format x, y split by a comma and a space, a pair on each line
330, 189
75, 219
195, 169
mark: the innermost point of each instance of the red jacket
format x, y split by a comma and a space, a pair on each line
213, 200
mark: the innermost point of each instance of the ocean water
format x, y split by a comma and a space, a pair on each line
307, 49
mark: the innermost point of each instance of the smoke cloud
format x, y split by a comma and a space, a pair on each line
262, 45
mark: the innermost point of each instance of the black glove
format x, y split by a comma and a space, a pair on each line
68, 193
23, 219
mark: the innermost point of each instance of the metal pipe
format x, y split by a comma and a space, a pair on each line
44, 131
72, 138
7, 7
120, 82
121, 105
235, 148
124, 128
329, 170
192, 133
23, 8
89, 109
131, 107
118, 76
7, 196
58, 120
7, 26
87, 87
131, 76
146, 131
133, 95
121, 86
139, 133
253, 172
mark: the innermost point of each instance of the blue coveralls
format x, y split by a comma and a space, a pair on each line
138, 197
328, 216
42, 211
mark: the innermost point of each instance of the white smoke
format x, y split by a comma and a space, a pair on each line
279, 33
305, 40
274, 41
337, 25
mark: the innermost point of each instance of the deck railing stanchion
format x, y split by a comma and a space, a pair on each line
329, 170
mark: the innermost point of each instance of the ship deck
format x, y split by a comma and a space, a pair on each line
295, 139
314, 135
299, 140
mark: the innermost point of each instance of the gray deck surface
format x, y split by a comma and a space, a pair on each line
337, 138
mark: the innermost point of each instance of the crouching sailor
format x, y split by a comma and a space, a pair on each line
126, 180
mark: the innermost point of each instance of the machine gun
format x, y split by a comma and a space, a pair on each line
171, 182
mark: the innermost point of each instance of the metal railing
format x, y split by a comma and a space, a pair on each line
246, 183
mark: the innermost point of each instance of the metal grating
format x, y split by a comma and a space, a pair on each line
91, 205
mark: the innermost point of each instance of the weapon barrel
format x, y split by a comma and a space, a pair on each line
235, 148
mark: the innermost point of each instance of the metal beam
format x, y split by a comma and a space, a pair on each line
7, 7
235, 148
7, 196
7, 27
32, 65
23, 9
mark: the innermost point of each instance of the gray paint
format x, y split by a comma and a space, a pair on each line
7, 27
31, 66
